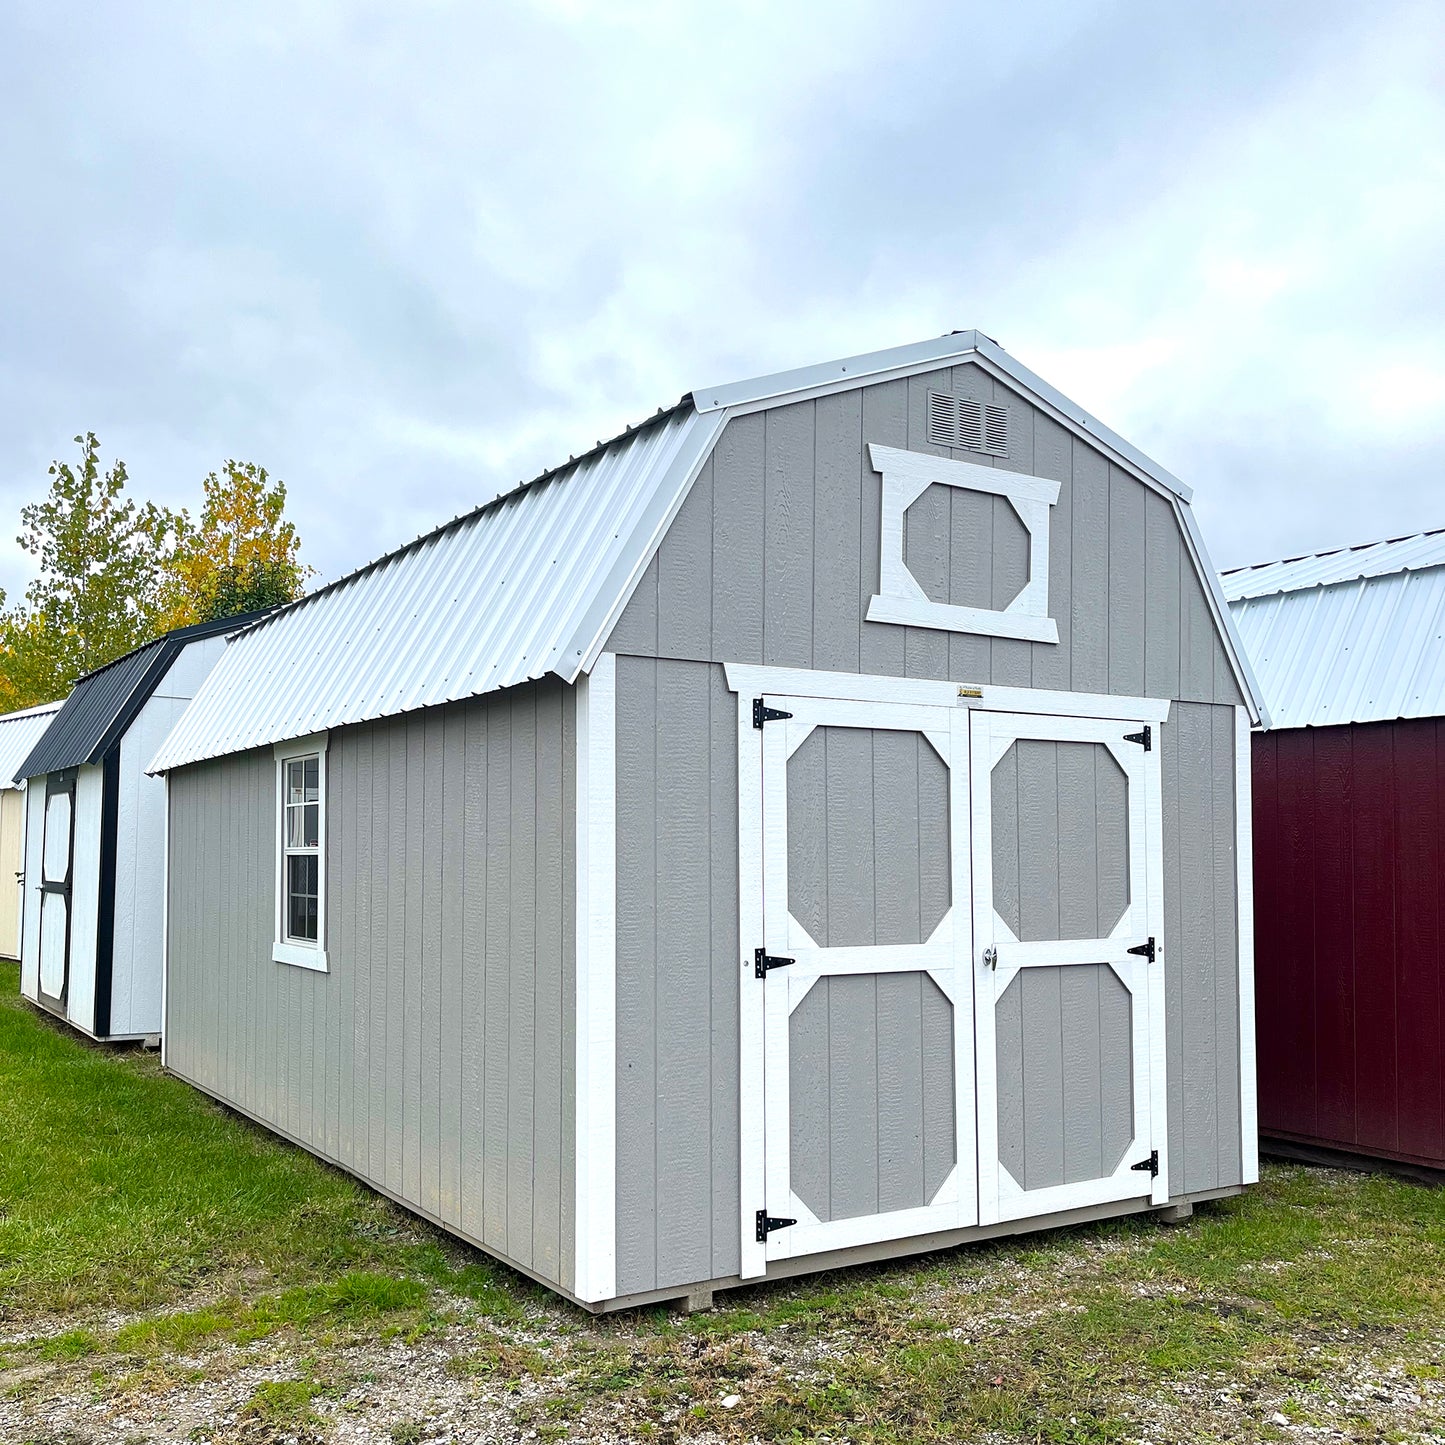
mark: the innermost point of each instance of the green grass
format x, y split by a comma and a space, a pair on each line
121, 1187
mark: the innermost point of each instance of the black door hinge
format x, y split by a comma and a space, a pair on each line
1145, 950
767, 1224
1145, 739
1151, 1164
762, 713
763, 961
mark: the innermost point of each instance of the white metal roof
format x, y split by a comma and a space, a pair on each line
1343, 564
532, 582
1356, 635
19, 732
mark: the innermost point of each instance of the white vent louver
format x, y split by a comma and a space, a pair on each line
960, 421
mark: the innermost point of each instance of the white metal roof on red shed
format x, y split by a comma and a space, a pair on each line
1352, 635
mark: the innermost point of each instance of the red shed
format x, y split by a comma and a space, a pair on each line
1349, 857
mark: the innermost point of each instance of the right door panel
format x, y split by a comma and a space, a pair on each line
1069, 1008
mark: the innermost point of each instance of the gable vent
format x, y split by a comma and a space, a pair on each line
960, 421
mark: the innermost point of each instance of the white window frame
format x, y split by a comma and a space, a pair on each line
284, 949
902, 600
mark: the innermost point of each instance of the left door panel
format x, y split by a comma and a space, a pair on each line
867, 1035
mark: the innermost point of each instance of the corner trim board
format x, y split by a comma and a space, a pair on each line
1244, 862
165, 916
105, 900
596, 1059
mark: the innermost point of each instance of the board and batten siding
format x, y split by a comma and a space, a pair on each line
773, 557
436, 1057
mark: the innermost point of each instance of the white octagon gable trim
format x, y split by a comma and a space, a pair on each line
906, 476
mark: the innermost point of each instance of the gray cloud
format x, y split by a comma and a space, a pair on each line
404, 256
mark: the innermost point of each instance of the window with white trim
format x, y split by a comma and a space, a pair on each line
301, 853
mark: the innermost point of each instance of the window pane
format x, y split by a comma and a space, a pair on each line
295, 782
294, 832
302, 874
312, 829
313, 779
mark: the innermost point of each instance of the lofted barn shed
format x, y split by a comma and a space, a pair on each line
809, 827
93, 942
1349, 820
19, 732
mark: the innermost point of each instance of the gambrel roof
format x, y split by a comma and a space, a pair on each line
532, 582
103, 704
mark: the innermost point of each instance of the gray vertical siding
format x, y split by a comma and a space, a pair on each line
868, 845
773, 557
435, 1057
871, 1091
1201, 947
677, 975
1060, 840
1065, 1085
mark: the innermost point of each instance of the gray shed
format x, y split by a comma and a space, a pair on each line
812, 826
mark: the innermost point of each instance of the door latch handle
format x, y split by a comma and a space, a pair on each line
990, 957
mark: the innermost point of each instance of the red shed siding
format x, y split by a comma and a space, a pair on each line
1349, 894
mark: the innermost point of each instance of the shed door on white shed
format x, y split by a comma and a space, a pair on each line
1069, 1006
56, 856
868, 1077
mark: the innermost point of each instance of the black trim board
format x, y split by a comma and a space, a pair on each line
105, 918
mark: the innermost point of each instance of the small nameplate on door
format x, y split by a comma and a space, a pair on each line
970, 692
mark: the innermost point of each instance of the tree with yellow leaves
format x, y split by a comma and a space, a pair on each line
242, 556
114, 572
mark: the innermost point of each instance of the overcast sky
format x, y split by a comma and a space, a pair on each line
406, 255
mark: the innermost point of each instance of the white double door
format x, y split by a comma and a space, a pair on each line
960, 1019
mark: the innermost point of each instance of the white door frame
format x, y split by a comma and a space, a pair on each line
1000, 1195
750, 681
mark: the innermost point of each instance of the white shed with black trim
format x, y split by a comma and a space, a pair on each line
809, 827
93, 930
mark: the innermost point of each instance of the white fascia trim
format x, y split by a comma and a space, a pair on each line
819, 379
1223, 617
864, 687
283, 950
899, 361
595, 1214
1244, 862
615, 591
